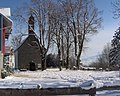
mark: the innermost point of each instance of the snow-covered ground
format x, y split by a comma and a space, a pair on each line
53, 78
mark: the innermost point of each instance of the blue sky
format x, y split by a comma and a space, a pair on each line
98, 41
11, 3
109, 25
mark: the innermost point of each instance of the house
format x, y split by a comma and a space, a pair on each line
28, 51
5, 31
9, 57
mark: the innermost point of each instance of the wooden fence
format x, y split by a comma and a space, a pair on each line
46, 92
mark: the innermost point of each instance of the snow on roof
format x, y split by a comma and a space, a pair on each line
5, 11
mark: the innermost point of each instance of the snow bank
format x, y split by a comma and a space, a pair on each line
88, 85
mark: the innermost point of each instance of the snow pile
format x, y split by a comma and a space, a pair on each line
53, 78
88, 84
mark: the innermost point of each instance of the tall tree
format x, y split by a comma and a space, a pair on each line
102, 60
115, 50
40, 10
116, 8
16, 40
83, 19
56, 18
68, 23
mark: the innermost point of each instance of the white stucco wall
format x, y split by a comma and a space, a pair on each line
16, 59
12, 61
1, 60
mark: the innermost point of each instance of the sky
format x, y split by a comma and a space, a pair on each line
98, 41
105, 35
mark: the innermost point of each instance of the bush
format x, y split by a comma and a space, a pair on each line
8, 69
4, 73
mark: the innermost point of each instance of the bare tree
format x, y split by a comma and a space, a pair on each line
67, 23
58, 36
41, 11
83, 20
16, 40
20, 24
103, 59
116, 8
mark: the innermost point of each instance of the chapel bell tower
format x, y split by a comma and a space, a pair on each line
31, 25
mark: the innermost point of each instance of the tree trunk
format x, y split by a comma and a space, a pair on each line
62, 51
67, 58
43, 63
77, 62
67, 61
59, 64
80, 46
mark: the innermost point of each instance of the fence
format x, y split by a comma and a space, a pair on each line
47, 91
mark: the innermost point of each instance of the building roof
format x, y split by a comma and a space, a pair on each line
25, 41
20, 44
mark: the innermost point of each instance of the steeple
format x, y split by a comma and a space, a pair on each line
31, 25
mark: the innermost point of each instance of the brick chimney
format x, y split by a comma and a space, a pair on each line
31, 25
